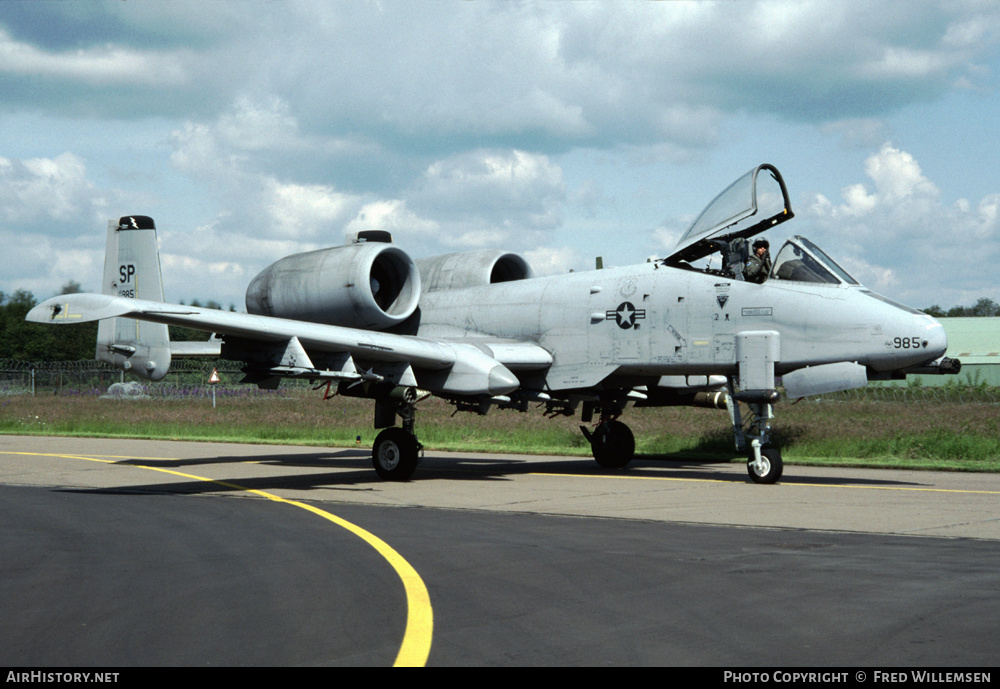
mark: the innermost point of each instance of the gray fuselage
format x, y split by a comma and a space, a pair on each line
651, 320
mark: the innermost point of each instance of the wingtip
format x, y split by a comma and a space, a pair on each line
74, 308
46, 312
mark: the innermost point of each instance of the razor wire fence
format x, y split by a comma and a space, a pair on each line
188, 378
956, 393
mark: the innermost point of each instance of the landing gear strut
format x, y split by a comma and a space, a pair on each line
395, 453
764, 463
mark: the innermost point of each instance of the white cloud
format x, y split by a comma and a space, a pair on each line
393, 216
898, 177
307, 211
252, 125
295, 122
48, 193
900, 186
42, 264
504, 193
229, 156
564, 75
102, 64
548, 260
666, 238
478, 179
487, 197
217, 260
859, 132
895, 234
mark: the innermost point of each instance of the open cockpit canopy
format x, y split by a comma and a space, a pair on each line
755, 202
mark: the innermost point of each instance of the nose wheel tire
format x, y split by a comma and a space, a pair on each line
394, 454
768, 469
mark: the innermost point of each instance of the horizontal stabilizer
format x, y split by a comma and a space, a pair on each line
190, 349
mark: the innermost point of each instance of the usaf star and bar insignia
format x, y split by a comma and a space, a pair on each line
626, 315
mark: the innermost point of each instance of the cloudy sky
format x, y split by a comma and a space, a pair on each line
251, 130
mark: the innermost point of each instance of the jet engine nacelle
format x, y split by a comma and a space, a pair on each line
471, 269
368, 285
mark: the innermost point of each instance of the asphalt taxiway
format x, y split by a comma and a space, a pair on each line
110, 559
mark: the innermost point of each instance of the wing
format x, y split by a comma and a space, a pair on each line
278, 347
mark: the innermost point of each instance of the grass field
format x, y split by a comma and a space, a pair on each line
961, 437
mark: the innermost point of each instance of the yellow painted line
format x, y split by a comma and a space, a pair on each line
906, 488
780, 483
416, 646
630, 478
130, 458
96, 458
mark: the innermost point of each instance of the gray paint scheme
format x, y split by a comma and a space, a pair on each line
602, 338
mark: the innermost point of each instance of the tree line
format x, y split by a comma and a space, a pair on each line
36, 342
982, 307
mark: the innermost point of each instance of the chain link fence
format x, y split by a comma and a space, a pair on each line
189, 378
905, 394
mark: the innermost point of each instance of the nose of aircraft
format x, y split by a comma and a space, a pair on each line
937, 340
911, 339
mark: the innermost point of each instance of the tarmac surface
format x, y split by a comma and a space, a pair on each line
111, 559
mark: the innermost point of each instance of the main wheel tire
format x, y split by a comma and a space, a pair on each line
770, 469
394, 454
613, 445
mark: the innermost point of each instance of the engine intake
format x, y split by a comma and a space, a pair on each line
472, 269
370, 285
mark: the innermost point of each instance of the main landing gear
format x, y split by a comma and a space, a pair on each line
396, 451
395, 454
612, 442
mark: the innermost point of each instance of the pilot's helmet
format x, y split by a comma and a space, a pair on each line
761, 243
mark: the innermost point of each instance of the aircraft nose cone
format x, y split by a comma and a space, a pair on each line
937, 341
501, 380
906, 340
925, 342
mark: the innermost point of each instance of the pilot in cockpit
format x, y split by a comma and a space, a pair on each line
758, 266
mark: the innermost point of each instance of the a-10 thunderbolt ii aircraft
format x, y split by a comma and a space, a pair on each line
478, 330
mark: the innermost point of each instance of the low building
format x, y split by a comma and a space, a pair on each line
976, 343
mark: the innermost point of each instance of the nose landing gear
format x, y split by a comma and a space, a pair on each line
764, 463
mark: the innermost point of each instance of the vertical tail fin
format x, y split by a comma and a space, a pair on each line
132, 270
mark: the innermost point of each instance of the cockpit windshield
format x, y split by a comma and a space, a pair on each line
802, 261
